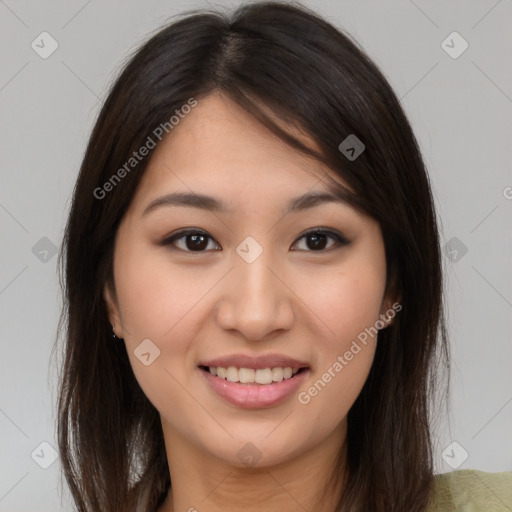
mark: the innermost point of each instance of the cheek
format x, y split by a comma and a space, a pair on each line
165, 304
348, 307
344, 302
159, 304
156, 299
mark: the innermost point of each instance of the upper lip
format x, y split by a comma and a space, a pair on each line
256, 362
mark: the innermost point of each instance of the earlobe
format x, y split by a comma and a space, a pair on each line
392, 302
112, 310
390, 310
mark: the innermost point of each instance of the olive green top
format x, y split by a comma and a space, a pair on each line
469, 490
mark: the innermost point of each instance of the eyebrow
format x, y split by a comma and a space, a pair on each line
209, 203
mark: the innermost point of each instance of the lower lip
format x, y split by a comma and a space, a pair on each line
254, 396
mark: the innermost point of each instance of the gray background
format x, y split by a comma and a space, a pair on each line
460, 109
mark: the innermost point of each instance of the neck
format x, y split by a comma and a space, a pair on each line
202, 482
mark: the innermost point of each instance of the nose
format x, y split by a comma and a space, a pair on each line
256, 300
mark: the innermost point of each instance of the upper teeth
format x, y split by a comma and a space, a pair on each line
250, 375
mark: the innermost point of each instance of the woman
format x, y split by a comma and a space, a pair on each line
253, 282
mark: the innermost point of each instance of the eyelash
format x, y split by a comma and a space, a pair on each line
340, 239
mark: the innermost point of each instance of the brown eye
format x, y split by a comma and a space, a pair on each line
317, 240
193, 240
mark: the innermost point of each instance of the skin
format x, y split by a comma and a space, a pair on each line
305, 303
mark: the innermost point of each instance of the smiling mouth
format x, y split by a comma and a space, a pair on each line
251, 376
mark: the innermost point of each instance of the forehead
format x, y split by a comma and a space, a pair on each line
220, 149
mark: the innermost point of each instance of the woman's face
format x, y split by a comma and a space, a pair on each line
251, 283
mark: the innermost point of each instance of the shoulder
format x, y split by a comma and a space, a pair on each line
470, 490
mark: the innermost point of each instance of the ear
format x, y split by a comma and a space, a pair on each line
391, 304
114, 317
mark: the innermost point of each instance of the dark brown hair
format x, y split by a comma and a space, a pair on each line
311, 75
